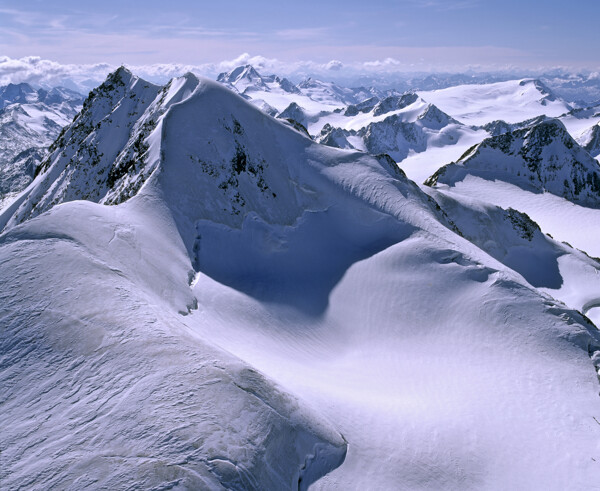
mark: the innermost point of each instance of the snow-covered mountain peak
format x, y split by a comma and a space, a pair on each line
98, 153
325, 269
434, 118
541, 157
21, 93
247, 72
395, 102
243, 78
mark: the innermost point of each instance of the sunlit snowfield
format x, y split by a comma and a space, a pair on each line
275, 299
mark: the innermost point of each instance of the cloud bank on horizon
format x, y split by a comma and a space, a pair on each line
81, 77
80, 42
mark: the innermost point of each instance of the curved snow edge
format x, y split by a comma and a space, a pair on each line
322, 460
317, 447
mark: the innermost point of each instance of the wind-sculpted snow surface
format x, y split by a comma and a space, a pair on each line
104, 387
543, 157
253, 296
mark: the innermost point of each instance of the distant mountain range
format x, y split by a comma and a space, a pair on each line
30, 120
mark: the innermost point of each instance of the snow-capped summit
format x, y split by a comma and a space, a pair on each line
295, 112
334, 137
243, 78
246, 80
435, 119
413, 130
395, 102
85, 161
542, 157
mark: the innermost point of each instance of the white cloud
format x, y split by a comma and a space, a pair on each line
83, 77
335, 65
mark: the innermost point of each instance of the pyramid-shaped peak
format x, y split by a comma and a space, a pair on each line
241, 72
434, 117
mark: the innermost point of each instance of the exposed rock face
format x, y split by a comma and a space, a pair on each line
543, 157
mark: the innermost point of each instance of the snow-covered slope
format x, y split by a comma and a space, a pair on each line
349, 289
30, 120
511, 101
515, 240
590, 140
543, 157
103, 386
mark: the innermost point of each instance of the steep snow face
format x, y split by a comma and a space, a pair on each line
543, 157
248, 186
29, 121
511, 101
299, 295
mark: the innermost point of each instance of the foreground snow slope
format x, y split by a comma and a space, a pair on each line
324, 269
105, 387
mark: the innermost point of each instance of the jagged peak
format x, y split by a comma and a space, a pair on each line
432, 111
540, 157
239, 73
121, 74
395, 102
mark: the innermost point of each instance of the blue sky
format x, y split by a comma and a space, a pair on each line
417, 34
